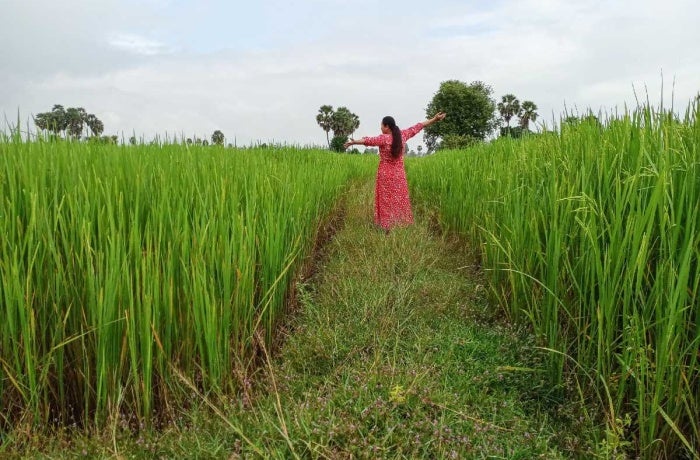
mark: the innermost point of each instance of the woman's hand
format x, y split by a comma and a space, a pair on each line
438, 117
348, 143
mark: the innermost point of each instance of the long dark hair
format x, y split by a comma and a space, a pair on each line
396, 141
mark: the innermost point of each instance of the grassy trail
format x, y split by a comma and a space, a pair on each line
394, 353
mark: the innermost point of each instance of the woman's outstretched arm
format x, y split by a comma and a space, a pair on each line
408, 133
438, 117
378, 140
375, 141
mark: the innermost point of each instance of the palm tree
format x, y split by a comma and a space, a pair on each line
508, 107
325, 120
217, 138
94, 124
343, 122
355, 123
58, 122
76, 118
43, 120
528, 113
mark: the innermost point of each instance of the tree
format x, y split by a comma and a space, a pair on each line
355, 123
132, 140
205, 143
94, 124
75, 118
457, 141
71, 120
470, 112
217, 138
508, 107
325, 120
344, 122
54, 121
337, 143
528, 112
420, 150
516, 132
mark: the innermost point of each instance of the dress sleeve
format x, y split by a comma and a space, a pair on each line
412, 131
376, 141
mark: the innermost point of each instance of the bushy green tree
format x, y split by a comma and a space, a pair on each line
337, 143
470, 109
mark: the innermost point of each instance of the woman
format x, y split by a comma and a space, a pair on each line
392, 206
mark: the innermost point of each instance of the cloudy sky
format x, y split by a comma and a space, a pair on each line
259, 70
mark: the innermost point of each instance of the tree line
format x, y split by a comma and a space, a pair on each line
73, 122
473, 115
70, 121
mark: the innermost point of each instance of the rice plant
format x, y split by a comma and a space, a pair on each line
128, 273
589, 234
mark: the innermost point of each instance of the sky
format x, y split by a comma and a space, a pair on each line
259, 71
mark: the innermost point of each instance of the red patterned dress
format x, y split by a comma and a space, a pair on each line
392, 205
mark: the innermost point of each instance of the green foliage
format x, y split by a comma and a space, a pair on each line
71, 121
456, 142
395, 353
470, 110
94, 124
217, 138
508, 107
324, 118
527, 113
337, 143
342, 122
123, 271
511, 131
590, 237
54, 121
75, 118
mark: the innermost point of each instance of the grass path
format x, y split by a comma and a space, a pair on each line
394, 353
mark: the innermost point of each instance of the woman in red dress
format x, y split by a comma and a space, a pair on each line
392, 206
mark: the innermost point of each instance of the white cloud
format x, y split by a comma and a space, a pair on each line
136, 44
588, 54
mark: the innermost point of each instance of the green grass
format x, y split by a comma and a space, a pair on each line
395, 353
590, 236
128, 274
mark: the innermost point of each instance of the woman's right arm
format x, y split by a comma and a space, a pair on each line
375, 141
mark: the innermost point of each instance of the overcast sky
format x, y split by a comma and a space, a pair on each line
260, 70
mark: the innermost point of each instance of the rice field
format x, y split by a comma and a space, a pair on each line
130, 275
590, 235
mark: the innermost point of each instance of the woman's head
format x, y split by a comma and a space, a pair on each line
389, 127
